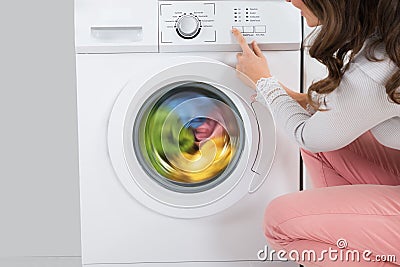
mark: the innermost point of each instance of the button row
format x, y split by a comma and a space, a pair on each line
251, 29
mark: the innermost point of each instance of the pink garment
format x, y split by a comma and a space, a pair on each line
357, 199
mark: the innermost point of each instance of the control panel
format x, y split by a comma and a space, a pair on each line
207, 25
186, 21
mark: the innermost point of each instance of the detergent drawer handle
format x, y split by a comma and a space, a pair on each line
115, 33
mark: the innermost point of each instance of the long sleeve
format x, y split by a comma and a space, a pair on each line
356, 106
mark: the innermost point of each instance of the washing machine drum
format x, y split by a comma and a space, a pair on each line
189, 139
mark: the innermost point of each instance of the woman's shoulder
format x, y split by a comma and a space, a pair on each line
366, 79
380, 71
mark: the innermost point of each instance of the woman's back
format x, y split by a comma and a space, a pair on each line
364, 84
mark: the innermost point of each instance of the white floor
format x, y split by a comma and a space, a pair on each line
41, 262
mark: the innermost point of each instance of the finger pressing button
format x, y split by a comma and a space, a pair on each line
240, 28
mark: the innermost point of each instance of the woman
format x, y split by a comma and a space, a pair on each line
348, 127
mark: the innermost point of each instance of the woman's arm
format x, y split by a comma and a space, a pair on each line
351, 107
298, 97
254, 65
356, 106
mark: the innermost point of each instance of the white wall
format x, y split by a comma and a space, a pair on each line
39, 187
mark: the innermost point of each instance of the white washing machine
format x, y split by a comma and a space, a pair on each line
313, 72
177, 163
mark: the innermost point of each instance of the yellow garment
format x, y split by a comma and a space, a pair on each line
211, 159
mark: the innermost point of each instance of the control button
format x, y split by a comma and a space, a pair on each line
260, 29
240, 28
188, 26
248, 29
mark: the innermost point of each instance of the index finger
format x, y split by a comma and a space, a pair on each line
240, 39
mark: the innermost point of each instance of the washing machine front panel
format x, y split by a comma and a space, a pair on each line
116, 228
187, 142
128, 216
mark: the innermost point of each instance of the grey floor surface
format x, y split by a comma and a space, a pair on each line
40, 262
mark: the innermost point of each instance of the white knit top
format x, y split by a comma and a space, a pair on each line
359, 104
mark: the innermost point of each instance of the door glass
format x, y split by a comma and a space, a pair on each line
188, 136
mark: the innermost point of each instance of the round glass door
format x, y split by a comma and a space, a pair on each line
188, 136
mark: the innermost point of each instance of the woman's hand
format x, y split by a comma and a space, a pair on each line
251, 62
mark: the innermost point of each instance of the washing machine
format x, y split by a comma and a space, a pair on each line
313, 71
177, 162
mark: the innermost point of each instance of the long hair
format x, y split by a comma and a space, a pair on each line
389, 31
345, 27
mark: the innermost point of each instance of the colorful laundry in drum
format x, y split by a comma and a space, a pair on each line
190, 137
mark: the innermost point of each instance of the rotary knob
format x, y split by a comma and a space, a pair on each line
188, 26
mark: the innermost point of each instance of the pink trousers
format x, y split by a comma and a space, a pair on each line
351, 218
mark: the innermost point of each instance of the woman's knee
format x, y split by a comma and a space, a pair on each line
278, 210
282, 214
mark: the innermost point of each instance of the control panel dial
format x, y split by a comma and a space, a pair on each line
188, 26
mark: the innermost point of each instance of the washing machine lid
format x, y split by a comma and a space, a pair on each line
236, 161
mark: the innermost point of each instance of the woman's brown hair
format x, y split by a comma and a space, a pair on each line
345, 26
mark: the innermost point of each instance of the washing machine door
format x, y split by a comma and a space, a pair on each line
189, 142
